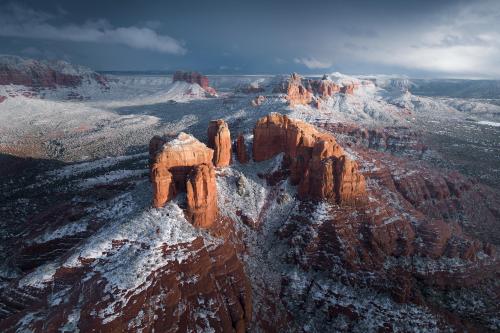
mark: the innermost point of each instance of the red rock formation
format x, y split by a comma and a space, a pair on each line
184, 163
194, 77
213, 275
163, 185
219, 139
202, 196
297, 94
317, 163
397, 139
348, 88
302, 92
2, 98
324, 87
241, 150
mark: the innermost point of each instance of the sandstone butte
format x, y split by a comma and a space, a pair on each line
184, 164
318, 165
194, 77
304, 92
324, 87
296, 92
219, 139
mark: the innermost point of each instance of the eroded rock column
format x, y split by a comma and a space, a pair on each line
163, 185
219, 139
241, 150
201, 196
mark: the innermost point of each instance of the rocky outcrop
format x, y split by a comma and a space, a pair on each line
251, 88
241, 150
323, 88
184, 164
300, 91
297, 94
398, 140
208, 279
316, 162
201, 196
258, 100
219, 139
348, 88
45, 74
194, 77
2, 98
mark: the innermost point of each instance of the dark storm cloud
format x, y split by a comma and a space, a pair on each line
434, 38
24, 22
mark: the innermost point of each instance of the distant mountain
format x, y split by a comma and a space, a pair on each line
457, 88
45, 73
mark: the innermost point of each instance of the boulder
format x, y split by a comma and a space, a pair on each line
219, 139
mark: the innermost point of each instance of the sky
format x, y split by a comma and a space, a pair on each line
439, 38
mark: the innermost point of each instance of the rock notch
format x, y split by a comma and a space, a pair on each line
241, 149
317, 163
219, 139
184, 164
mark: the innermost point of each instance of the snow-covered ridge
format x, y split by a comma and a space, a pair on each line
24, 64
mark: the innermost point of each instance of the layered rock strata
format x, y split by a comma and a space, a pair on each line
316, 162
201, 192
219, 139
296, 93
184, 164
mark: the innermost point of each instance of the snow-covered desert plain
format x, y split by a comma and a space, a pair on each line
81, 247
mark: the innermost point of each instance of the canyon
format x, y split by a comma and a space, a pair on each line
249, 211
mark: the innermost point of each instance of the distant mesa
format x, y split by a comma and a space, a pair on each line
46, 74
194, 77
251, 88
300, 91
